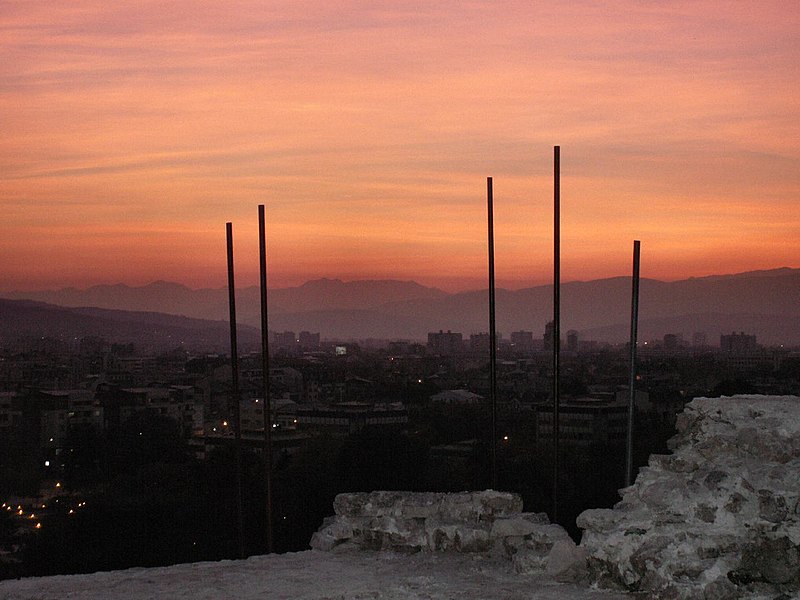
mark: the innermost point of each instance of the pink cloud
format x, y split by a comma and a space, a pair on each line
370, 125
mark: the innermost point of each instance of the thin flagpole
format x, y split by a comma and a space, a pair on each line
556, 317
632, 381
492, 334
267, 406
235, 392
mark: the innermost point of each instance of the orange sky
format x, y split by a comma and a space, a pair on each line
133, 130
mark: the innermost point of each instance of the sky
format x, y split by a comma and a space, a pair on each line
132, 131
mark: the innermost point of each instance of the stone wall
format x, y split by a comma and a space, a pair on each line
717, 519
485, 522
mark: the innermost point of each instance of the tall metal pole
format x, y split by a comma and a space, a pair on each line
556, 316
267, 406
492, 335
632, 381
235, 393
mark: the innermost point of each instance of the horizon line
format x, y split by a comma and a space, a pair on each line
395, 280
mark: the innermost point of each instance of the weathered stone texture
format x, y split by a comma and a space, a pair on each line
485, 522
718, 518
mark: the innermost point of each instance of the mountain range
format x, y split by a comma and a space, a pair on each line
149, 331
764, 303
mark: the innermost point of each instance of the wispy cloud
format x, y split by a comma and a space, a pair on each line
369, 127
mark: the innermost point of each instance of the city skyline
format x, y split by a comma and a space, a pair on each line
134, 132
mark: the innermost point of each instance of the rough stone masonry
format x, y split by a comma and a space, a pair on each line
484, 522
717, 519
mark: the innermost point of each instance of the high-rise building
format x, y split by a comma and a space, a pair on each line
738, 343
549, 336
445, 342
572, 341
522, 341
285, 339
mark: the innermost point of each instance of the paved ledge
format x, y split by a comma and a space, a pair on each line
354, 575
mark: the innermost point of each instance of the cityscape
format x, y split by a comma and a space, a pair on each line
434, 373
102, 436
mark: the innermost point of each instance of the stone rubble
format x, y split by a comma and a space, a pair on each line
484, 522
718, 519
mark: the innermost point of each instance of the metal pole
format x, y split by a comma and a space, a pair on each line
267, 406
556, 317
632, 381
235, 393
492, 335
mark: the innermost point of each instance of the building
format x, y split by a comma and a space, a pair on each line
522, 341
445, 343
284, 340
583, 421
572, 341
549, 337
738, 344
175, 402
351, 417
58, 411
456, 397
10, 412
479, 342
284, 415
742, 353
286, 381
308, 341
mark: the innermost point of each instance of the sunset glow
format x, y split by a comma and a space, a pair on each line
132, 131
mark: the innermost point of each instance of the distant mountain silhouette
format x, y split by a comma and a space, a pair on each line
764, 303
177, 299
148, 330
